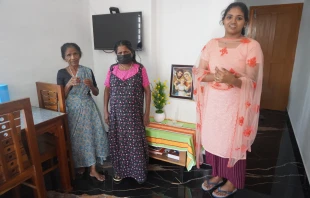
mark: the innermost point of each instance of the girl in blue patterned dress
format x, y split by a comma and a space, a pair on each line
87, 134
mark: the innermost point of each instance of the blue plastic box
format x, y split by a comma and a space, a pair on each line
4, 93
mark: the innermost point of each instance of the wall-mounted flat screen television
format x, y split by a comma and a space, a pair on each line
110, 28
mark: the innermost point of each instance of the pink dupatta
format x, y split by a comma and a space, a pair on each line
249, 102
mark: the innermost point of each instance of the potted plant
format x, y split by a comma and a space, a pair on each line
160, 99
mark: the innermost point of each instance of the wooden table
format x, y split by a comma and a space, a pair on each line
46, 121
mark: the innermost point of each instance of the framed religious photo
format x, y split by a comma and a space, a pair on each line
181, 82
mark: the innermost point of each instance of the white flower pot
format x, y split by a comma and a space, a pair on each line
159, 117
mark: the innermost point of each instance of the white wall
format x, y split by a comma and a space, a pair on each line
102, 60
182, 28
31, 33
268, 2
174, 32
299, 101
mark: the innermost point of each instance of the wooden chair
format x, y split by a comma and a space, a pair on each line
17, 164
52, 97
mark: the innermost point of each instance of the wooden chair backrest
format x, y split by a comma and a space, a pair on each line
51, 96
16, 164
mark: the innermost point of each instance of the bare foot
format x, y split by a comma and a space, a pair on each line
94, 173
98, 176
209, 184
81, 170
228, 187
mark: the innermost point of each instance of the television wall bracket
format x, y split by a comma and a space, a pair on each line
114, 10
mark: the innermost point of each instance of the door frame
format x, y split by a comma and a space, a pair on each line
252, 14
251, 30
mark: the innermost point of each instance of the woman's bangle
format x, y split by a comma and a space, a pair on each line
215, 79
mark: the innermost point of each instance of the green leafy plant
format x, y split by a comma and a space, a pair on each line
159, 96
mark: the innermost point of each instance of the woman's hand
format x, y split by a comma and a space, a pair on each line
224, 76
106, 117
73, 81
88, 83
146, 119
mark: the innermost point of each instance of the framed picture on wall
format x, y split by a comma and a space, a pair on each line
181, 83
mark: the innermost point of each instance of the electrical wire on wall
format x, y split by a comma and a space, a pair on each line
139, 57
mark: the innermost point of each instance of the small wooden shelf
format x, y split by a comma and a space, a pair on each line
164, 135
180, 162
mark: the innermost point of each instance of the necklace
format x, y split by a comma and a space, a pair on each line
124, 68
72, 72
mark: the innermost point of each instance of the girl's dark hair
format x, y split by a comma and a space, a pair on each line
65, 46
243, 8
128, 45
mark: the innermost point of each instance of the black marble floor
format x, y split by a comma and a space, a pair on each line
274, 170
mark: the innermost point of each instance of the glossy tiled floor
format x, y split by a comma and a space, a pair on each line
274, 169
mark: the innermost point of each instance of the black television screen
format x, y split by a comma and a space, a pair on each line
110, 28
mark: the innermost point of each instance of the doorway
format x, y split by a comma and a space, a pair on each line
276, 28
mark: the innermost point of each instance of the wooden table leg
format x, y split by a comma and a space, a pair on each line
16, 192
69, 148
63, 158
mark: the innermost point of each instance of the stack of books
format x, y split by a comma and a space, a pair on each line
156, 150
173, 154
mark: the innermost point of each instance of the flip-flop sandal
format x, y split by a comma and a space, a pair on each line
213, 184
117, 178
141, 182
227, 193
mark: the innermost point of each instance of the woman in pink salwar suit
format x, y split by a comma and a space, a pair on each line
227, 89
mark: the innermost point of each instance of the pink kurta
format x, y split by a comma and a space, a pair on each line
227, 115
219, 121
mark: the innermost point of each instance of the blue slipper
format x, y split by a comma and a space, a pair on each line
227, 193
214, 185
